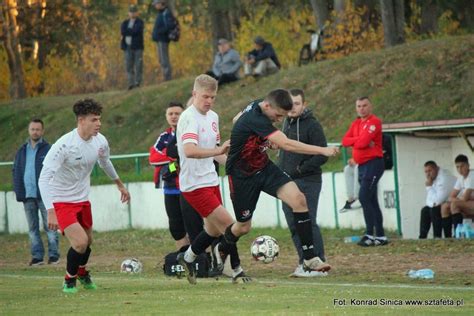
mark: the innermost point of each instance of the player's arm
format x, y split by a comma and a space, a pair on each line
221, 159
466, 196
108, 167
367, 136
47, 173
191, 150
287, 144
349, 139
454, 195
236, 117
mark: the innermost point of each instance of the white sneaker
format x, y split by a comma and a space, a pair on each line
316, 264
301, 273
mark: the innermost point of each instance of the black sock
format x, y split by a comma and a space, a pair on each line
457, 219
202, 241
229, 236
73, 262
305, 233
447, 226
85, 256
183, 249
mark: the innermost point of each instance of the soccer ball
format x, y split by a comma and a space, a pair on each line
131, 265
265, 249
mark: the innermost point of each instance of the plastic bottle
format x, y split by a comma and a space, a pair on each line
421, 274
351, 239
468, 231
459, 232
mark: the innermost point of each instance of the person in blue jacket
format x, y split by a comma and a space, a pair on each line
163, 24
132, 45
26, 170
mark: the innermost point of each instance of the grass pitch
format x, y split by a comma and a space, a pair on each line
363, 281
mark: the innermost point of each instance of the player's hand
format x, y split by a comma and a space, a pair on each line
52, 220
225, 147
273, 146
124, 194
330, 151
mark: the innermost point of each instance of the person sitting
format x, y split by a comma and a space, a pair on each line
226, 63
261, 61
439, 183
461, 199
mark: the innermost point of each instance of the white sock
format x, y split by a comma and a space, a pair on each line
368, 236
381, 238
237, 271
189, 255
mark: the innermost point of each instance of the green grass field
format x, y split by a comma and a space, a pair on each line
374, 275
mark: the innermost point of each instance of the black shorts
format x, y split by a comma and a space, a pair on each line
245, 190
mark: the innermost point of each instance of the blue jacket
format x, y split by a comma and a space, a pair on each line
164, 23
267, 51
136, 33
19, 169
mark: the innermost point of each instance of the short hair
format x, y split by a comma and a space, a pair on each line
205, 82
362, 98
297, 92
280, 98
431, 163
172, 104
87, 106
461, 158
36, 120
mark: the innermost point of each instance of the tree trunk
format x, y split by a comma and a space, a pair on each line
429, 17
219, 12
12, 47
320, 11
371, 14
339, 7
393, 22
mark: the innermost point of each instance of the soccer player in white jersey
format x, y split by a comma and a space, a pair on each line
65, 184
197, 137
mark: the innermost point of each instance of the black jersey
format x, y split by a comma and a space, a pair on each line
249, 141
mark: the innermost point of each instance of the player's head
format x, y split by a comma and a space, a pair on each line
462, 165
299, 103
88, 112
173, 112
36, 129
204, 93
277, 104
431, 169
363, 107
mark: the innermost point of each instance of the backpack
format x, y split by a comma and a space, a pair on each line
174, 31
171, 267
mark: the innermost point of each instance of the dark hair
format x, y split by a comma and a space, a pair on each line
87, 106
36, 120
280, 98
297, 92
461, 158
431, 163
362, 98
172, 104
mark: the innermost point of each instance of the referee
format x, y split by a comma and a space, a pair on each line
365, 138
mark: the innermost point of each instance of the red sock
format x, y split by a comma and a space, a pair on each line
82, 271
68, 277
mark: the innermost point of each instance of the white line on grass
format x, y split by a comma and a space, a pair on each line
260, 281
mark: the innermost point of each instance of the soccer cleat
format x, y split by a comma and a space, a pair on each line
366, 241
316, 264
36, 262
301, 273
188, 268
381, 241
69, 286
87, 282
219, 258
241, 278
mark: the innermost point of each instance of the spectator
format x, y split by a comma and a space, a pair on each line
163, 24
305, 170
26, 170
351, 175
461, 199
365, 137
226, 63
439, 183
261, 61
132, 45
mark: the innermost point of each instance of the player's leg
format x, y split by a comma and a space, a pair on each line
175, 220
193, 222
460, 209
425, 222
467, 208
435, 214
446, 220
84, 217
79, 242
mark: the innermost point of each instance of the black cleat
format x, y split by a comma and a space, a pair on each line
241, 278
366, 242
188, 268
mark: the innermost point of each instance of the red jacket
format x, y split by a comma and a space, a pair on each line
365, 136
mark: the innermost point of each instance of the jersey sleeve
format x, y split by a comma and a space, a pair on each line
56, 156
189, 130
105, 163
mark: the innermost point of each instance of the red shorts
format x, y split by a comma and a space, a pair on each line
204, 200
70, 213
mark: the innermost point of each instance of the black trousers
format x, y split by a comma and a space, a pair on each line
428, 216
224, 78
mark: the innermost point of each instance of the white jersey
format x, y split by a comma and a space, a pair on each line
202, 130
65, 176
438, 192
462, 184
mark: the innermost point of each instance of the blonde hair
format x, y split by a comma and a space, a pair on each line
205, 82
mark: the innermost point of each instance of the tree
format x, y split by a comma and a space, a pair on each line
393, 19
429, 16
12, 47
321, 12
219, 12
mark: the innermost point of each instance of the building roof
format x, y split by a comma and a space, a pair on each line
439, 128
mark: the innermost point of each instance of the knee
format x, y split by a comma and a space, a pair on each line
299, 202
81, 246
243, 228
445, 212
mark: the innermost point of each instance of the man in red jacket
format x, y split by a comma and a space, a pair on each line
365, 138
